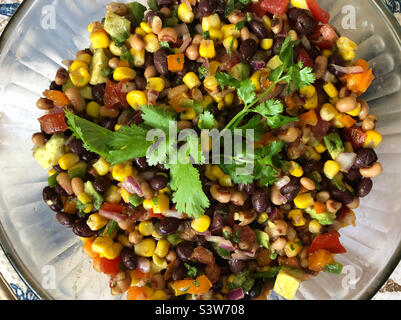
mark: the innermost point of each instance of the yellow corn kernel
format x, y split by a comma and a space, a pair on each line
145, 248
304, 200
188, 114
262, 218
311, 103
229, 30
124, 240
266, 44
137, 99
68, 160
102, 167
209, 174
96, 222
231, 278
122, 171
160, 263
293, 35
185, 13
76, 65
99, 39
201, 224
148, 204
124, 73
311, 154
229, 99
152, 43
331, 90
80, 78
113, 251
226, 181
255, 78
295, 169
138, 56
216, 35
217, 172
92, 109
145, 27
125, 195
327, 53
162, 248
230, 43
140, 31
191, 80
346, 48
348, 147
146, 228
148, 291
373, 139
156, 83
114, 49
94, 25
84, 57
207, 101
51, 172
274, 62
308, 91
314, 226
211, 22
89, 208
328, 112
267, 22
336, 121
301, 4
292, 249
356, 111
331, 168
161, 203
159, 295
211, 83
84, 198
100, 244
221, 105
320, 148
166, 191
206, 49
214, 66
297, 217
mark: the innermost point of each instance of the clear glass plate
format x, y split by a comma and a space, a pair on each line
49, 257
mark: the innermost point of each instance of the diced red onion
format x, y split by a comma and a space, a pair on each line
346, 160
236, 294
132, 186
274, 214
152, 96
222, 243
187, 42
206, 233
348, 70
328, 76
143, 264
182, 29
112, 215
256, 65
240, 255
174, 214
283, 182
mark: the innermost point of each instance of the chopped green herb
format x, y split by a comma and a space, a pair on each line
335, 268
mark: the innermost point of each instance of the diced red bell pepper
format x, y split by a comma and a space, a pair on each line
155, 215
114, 96
112, 207
276, 7
110, 266
317, 11
53, 123
356, 136
305, 59
327, 241
255, 7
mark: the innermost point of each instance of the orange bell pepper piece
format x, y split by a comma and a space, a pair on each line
360, 82
176, 62
136, 293
347, 120
87, 249
319, 259
309, 117
320, 207
58, 97
199, 286
176, 101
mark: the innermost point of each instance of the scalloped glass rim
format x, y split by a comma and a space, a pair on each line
23, 270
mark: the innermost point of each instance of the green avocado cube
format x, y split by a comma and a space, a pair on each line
287, 282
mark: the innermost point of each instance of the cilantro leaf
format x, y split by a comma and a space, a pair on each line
193, 104
192, 271
270, 107
203, 72
95, 138
188, 193
157, 117
246, 91
255, 124
224, 79
278, 121
206, 120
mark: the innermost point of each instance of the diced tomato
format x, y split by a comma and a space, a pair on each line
328, 33
276, 7
53, 123
228, 62
321, 129
155, 215
255, 7
305, 59
356, 136
114, 96
317, 11
327, 241
112, 207
110, 266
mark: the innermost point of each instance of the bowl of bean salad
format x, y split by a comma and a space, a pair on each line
202, 150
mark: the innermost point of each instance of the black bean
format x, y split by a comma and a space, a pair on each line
293, 14
309, 166
345, 197
160, 61
168, 226
353, 176
184, 250
278, 43
364, 187
291, 195
141, 163
129, 258
259, 29
52, 199
76, 146
365, 158
217, 222
98, 91
108, 124
101, 184
291, 186
248, 188
305, 24
65, 219
60, 191
166, 3
256, 289
219, 7
247, 49
54, 86
158, 182
58, 168
237, 266
81, 229
140, 83
179, 273
259, 201
205, 8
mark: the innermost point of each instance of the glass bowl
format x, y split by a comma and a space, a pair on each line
49, 258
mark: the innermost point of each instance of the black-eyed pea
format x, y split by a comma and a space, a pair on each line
148, 192
278, 244
364, 110
76, 99
369, 123
346, 104
77, 186
220, 194
135, 237
290, 135
64, 181
120, 283
275, 196
238, 198
373, 171
171, 256
308, 183
114, 63
354, 204
245, 34
333, 206
323, 196
62, 76
38, 139
44, 104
